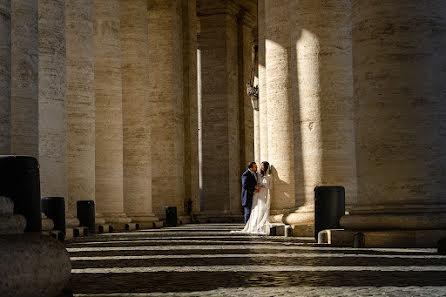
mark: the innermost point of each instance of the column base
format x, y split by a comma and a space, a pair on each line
394, 221
45, 257
47, 224
383, 238
301, 220
217, 217
143, 221
71, 221
117, 221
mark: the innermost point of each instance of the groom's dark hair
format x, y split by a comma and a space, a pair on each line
251, 165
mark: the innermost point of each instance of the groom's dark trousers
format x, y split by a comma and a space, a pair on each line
248, 187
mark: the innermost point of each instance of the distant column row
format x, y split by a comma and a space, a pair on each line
78, 94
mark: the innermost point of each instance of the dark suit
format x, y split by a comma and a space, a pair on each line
248, 187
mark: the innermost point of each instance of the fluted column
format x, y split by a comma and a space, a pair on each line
166, 104
280, 108
24, 78
80, 103
263, 109
5, 77
399, 72
191, 179
135, 111
220, 109
108, 111
52, 99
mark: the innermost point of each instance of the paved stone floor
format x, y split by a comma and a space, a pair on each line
208, 260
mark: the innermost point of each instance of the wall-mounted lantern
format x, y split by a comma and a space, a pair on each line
251, 89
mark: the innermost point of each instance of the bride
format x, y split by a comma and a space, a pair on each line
258, 221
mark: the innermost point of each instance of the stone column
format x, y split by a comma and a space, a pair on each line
135, 112
220, 109
191, 180
52, 99
280, 108
166, 104
5, 77
263, 109
24, 74
246, 27
399, 70
80, 104
108, 112
322, 101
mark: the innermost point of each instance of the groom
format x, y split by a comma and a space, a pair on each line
249, 188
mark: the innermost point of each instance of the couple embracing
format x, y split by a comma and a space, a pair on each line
256, 198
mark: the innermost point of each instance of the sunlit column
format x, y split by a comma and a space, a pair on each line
135, 111
263, 110
5, 77
280, 108
166, 104
80, 103
108, 111
321, 76
399, 72
191, 164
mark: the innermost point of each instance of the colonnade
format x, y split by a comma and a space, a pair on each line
78, 93
104, 94
351, 93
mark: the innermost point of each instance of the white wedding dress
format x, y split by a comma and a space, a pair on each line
258, 222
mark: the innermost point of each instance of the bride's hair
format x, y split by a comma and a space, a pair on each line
266, 167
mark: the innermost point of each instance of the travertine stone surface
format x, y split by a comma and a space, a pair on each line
279, 102
263, 109
108, 108
321, 79
5, 77
80, 102
166, 104
399, 71
32, 265
24, 78
52, 99
189, 19
135, 109
246, 40
220, 108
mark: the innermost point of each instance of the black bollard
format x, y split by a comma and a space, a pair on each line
20, 181
54, 208
86, 214
171, 216
329, 207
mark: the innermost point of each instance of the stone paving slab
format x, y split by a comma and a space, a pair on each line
295, 291
196, 262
